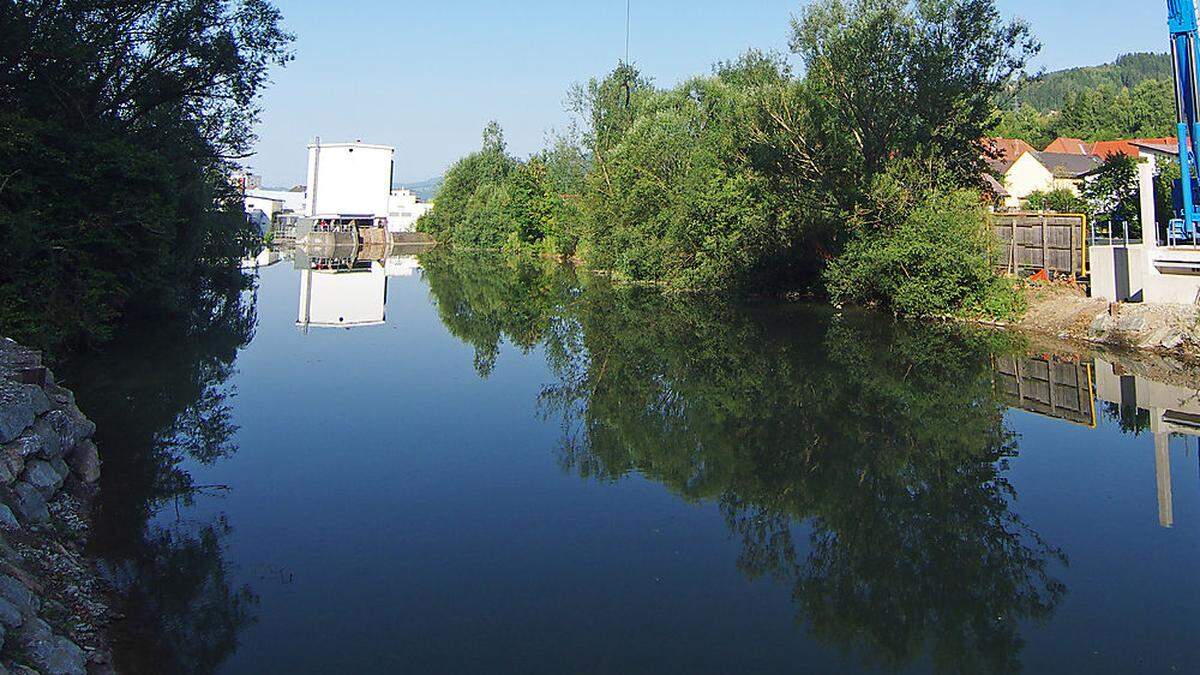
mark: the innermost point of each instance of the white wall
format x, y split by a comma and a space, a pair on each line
349, 179
291, 201
404, 209
1145, 274
1026, 176
343, 299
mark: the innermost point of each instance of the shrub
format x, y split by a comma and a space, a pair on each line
1060, 200
935, 262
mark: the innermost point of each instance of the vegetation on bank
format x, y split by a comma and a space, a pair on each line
757, 180
120, 123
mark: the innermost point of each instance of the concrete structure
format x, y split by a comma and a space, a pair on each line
404, 209
1151, 270
349, 180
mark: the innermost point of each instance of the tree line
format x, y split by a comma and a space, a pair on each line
851, 179
120, 122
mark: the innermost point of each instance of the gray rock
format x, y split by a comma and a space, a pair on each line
10, 614
6, 474
1131, 324
28, 503
85, 462
48, 439
13, 355
20, 404
8, 521
51, 654
11, 458
28, 445
42, 477
60, 395
60, 467
61, 430
15, 592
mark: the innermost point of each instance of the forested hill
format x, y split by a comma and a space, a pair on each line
1050, 91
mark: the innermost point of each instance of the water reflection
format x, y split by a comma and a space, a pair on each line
864, 466
864, 462
160, 397
884, 445
346, 287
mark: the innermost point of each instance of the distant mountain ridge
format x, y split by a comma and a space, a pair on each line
425, 189
1050, 91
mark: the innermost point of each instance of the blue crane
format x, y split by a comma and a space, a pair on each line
1181, 18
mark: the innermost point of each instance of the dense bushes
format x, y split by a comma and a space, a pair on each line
118, 123
751, 179
936, 262
491, 200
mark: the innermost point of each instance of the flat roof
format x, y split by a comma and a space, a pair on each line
352, 145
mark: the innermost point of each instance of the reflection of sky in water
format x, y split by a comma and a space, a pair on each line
395, 511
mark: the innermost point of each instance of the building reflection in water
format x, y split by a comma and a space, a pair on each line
347, 287
1067, 388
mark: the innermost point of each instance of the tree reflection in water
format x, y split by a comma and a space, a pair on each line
883, 443
159, 397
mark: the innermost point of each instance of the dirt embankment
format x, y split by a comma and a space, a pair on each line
1066, 312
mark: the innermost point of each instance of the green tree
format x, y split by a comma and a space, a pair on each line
471, 208
1112, 193
119, 126
1025, 123
905, 80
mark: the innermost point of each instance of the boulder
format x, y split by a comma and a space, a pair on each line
49, 653
42, 476
12, 459
61, 430
28, 503
8, 521
60, 467
48, 440
15, 592
20, 404
85, 462
10, 614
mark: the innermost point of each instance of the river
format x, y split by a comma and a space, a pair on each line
454, 464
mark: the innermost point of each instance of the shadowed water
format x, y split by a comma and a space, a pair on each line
459, 464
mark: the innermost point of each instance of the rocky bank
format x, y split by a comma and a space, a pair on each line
1064, 311
53, 606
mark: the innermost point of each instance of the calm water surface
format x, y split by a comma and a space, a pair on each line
470, 465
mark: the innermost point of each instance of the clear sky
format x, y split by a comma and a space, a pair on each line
426, 76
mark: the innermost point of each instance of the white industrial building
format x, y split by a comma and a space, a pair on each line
405, 208
349, 181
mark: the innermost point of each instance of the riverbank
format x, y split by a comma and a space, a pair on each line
54, 606
1065, 312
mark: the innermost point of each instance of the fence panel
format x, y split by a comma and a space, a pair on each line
1032, 242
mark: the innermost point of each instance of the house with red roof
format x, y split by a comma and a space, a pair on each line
1069, 146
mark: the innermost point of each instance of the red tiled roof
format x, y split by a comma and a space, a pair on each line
1106, 149
1069, 146
1001, 153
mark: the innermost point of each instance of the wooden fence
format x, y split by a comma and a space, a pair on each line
1058, 388
1032, 242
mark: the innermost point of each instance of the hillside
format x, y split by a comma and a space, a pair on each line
425, 189
1049, 92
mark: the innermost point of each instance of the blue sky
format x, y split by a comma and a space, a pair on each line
426, 76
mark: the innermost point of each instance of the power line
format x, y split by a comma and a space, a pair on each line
627, 8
